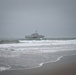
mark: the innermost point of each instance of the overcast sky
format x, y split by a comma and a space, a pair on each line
52, 18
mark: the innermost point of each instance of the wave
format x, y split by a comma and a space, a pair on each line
34, 42
34, 53
52, 42
33, 47
38, 65
4, 67
41, 64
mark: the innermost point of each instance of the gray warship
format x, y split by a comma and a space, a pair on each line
34, 36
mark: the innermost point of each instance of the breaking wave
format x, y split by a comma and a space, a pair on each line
34, 53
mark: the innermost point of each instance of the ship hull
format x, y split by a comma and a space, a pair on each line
34, 38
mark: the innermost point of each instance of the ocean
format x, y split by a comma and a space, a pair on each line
27, 54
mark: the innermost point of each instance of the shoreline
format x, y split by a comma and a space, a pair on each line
40, 65
66, 65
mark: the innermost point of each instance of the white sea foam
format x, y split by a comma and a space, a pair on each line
52, 60
33, 47
39, 43
33, 52
4, 68
42, 63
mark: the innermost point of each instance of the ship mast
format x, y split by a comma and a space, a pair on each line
36, 31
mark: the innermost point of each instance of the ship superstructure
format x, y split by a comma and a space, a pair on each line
34, 36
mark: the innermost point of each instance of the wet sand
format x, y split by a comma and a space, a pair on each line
65, 66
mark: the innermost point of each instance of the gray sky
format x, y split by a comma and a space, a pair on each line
52, 18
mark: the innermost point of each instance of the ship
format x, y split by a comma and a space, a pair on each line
34, 36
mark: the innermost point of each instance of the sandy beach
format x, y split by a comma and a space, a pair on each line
65, 66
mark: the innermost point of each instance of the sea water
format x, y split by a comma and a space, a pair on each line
29, 54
